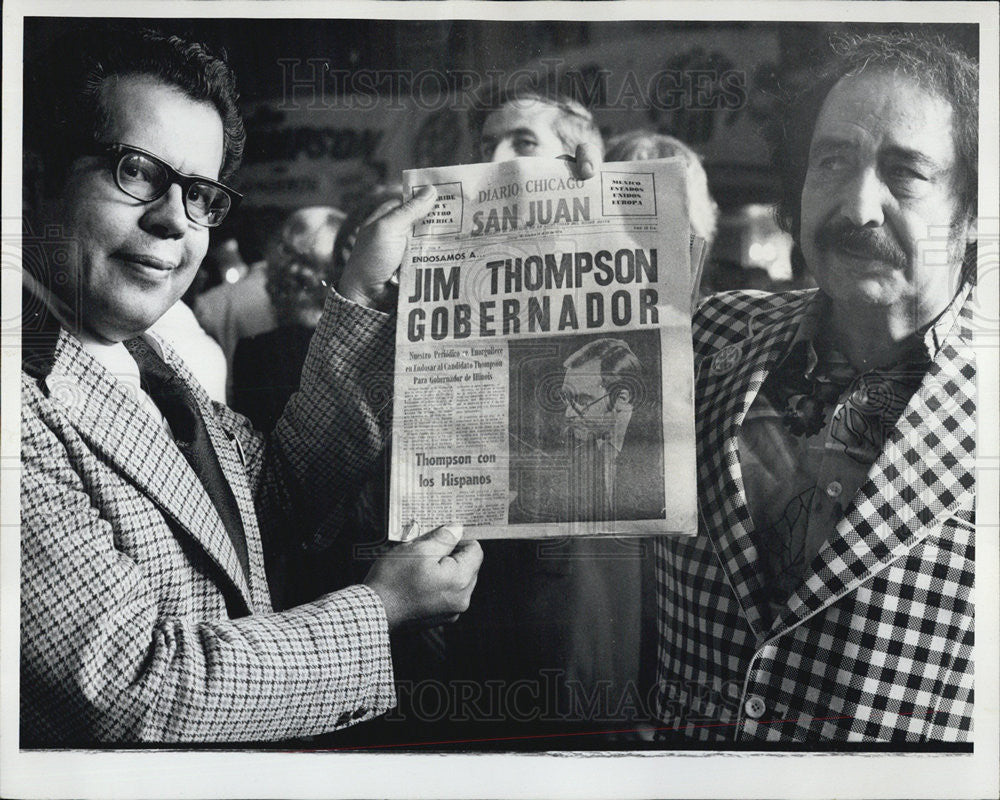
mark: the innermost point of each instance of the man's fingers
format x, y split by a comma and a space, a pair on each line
382, 210
439, 542
417, 207
468, 555
588, 159
398, 214
379, 250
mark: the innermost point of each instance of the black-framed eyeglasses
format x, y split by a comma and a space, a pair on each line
569, 401
147, 177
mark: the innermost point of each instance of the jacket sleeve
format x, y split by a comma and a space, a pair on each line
101, 660
329, 438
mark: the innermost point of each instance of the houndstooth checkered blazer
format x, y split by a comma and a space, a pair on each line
877, 643
129, 579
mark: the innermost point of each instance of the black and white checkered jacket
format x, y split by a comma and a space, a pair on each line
128, 575
876, 645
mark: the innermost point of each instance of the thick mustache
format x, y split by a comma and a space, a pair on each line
873, 243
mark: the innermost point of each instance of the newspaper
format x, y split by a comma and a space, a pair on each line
543, 381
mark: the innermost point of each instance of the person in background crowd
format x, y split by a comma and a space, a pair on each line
233, 311
827, 596
641, 145
563, 617
531, 122
267, 367
149, 514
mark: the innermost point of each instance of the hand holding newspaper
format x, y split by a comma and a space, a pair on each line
543, 382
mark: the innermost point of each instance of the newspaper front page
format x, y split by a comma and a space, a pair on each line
543, 382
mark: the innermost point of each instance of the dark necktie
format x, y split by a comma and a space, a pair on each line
178, 406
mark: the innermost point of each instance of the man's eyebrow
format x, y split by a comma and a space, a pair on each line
827, 144
909, 155
834, 144
518, 132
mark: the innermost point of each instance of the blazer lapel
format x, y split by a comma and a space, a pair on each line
925, 474
728, 383
107, 415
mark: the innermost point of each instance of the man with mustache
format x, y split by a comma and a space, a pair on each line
826, 597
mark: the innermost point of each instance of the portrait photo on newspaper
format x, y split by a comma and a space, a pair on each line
586, 438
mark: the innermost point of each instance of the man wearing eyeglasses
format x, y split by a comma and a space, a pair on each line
150, 516
598, 392
592, 469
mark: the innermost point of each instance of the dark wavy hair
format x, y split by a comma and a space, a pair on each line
930, 59
64, 101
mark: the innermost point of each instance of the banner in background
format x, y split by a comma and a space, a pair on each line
709, 87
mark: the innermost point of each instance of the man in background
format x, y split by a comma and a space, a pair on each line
267, 366
532, 123
702, 210
233, 311
553, 622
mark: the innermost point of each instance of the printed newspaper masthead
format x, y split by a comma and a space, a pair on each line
544, 380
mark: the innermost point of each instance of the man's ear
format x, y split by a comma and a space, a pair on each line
623, 399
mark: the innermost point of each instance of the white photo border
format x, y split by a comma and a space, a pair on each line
152, 773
